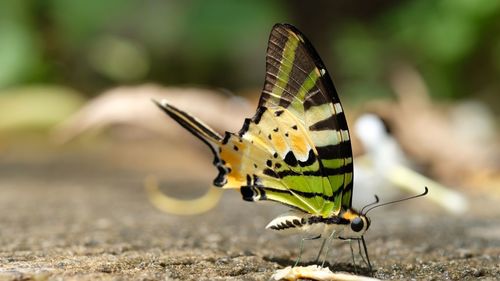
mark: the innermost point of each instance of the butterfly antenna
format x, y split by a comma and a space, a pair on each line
371, 204
400, 200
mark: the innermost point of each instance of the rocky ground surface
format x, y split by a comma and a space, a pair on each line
85, 216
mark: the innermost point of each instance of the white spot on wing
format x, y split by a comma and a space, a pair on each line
329, 137
345, 135
338, 108
319, 112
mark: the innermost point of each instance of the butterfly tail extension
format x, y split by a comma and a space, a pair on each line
201, 131
191, 123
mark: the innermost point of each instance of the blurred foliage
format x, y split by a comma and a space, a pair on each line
36, 108
92, 45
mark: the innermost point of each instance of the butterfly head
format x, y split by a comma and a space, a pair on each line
359, 222
357, 226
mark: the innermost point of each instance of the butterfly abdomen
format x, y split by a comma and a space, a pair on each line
299, 222
290, 223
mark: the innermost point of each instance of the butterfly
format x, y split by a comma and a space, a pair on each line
295, 150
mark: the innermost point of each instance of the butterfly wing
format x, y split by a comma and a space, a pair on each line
297, 80
257, 159
296, 149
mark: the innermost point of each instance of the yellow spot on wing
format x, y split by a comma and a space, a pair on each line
232, 158
279, 143
235, 180
299, 145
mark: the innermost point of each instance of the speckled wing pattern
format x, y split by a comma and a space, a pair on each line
295, 150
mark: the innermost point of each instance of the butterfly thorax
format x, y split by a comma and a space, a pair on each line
347, 224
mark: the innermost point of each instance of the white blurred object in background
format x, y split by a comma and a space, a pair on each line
384, 170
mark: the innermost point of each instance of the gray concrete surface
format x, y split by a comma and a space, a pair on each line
85, 216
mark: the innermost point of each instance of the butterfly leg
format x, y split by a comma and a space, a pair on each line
302, 247
328, 242
361, 253
366, 254
320, 250
352, 255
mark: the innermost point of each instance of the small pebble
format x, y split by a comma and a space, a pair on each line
465, 253
478, 272
224, 260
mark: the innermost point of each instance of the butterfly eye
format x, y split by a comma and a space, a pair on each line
357, 224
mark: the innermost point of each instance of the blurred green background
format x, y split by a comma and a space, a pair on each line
89, 46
